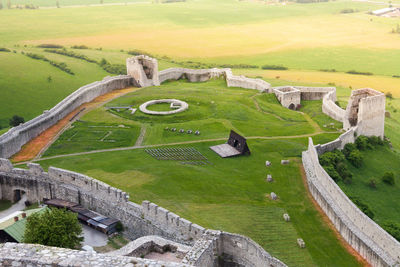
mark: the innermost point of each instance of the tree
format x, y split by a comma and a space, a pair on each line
49, 79
54, 227
9, 4
57, 4
388, 178
16, 120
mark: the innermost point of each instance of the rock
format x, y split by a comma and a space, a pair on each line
269, 178
273, 196
166, 128
285, 161
268, 163
301, 243
182, 130
286, 217
197, 133
189, 131
173, 129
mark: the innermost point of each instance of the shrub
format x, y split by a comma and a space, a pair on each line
389, 95
16, 120
328, 70
362, 143
375, 141
355, 158
372, 183
392, 228
332, 173
274, 67
359, 72
348, 148
3, 49
363, 207
388, 178
70, 54
331, 158
344, 172
79, 47
50, 46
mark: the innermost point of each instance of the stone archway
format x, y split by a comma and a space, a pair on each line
17, 195
292, 106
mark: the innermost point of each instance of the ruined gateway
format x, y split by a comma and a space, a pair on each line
154, 228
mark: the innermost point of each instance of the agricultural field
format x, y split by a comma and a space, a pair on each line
314, 44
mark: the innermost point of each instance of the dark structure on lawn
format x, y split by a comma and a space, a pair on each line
236, 146
88, 217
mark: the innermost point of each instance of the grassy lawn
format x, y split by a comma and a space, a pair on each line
229, 194
86, 136
5, 204
211, 111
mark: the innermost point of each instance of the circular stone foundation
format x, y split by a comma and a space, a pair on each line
183, 106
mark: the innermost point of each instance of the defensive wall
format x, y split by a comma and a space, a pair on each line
288, 96
148, 219
372, 242
365, 106
12, 141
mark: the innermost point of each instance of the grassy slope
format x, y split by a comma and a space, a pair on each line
383, 200
228, 195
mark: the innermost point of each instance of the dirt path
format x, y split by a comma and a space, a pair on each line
328, 222
139, 141
312, 122
261, 110
38, 145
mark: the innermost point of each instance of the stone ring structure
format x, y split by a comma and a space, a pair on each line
182, 106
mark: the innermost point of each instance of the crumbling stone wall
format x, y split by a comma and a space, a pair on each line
207, 74
12, 141
366, 109
363, 234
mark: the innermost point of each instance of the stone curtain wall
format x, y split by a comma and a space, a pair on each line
338, 143
12, 141
363, 234
203, 75
330, 108
139, 220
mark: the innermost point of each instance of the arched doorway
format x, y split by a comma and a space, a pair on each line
292, 106
18, 193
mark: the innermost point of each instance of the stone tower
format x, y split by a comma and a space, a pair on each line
144, 70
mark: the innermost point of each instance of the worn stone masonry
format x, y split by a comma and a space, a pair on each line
372, 242
288, 96
139, 221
